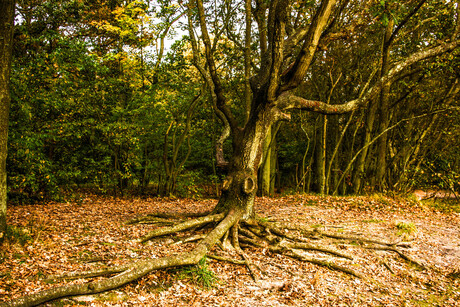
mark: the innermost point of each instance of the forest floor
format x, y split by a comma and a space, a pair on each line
54, 238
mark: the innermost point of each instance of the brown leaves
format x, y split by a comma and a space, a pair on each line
67, 237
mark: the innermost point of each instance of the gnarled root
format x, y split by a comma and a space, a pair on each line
293, 240
183, 226
231, 233
137, 269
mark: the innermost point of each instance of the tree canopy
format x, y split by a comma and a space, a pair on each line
99, 102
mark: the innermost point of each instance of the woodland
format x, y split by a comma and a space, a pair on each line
298, 148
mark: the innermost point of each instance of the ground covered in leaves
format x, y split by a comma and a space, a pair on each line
49, 240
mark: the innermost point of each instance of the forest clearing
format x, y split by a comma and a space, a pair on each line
54, 239
119, 118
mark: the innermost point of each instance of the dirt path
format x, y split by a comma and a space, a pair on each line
65, 237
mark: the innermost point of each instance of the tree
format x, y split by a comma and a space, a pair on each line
6, 45
94, 113
276, 43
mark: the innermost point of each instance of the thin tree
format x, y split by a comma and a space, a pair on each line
6, 44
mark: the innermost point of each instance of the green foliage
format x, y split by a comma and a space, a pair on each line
199, 274
91, 115
263, 219
406, 229
92, 101
18, 235
447, 205
438, 171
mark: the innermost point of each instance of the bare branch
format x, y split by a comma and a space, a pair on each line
375, 139
457, 25
207, 77
403, 22
220, 159
276, 23
163, 36
247, 59
268, 78
259, 14
288, 100
217, 86
297, 72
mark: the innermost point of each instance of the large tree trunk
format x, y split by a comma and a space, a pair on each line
6, 44
240, 186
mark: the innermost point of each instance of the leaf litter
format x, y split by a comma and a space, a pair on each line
93, 234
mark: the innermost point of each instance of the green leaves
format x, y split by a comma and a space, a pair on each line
199, 274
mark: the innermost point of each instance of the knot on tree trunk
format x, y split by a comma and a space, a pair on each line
249, 184
240, 181
238, 191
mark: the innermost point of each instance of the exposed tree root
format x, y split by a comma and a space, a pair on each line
354, 238
164, 217
151, 220
316, 233
135, 270
329, 264
183, 226
401, 254
225, 259
90, 274
190, 239
282, 238
387, 266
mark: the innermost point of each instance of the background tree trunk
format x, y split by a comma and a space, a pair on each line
384, 114
266, 166
323, 157
6, 44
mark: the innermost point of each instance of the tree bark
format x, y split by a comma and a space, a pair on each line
6, 44
273, 162
266, 166
322, 157
384, 111
240, 186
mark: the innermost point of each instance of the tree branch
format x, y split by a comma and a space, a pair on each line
259, 14
288, 100
403, 22
221, 101
204, 72
277, 24
247, 59
294, 76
